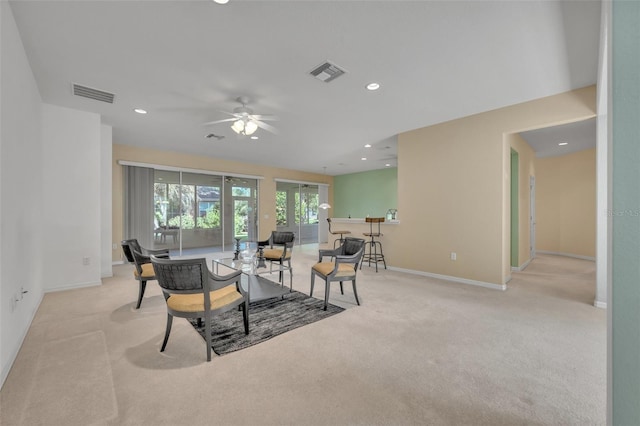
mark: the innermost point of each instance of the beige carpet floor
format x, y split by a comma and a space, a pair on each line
418, 351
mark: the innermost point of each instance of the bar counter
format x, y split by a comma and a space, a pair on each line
358, 226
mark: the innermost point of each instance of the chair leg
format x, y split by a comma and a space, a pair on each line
290, 275
143, 286
245, 316
166, 333
207, 332
327, 286
355, 292
313, 279
341, 289
382, 256
375, 255
281, 275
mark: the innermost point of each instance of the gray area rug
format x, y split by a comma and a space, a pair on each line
267, 319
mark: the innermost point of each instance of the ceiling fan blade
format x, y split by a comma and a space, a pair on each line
264, 117
267, 127
233, 114
219, 121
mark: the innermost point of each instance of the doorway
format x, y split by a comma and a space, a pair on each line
297, 210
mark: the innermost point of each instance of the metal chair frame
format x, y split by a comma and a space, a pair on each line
192, 276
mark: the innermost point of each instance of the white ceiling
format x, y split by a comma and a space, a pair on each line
577, 137
184, 61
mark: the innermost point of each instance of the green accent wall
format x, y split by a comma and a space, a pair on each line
367, 193
625, 290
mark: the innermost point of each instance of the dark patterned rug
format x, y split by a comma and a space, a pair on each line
267, 319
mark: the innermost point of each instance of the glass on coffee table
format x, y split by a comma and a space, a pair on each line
257, 287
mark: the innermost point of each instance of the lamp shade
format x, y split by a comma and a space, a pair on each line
244, 127
238, 126
250, 127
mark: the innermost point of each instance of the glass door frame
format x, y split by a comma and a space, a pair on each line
322, 214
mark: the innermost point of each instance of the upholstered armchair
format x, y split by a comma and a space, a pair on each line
343, 267
191, 290
139, 256
278, 248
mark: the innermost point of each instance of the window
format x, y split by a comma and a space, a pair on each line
281, 208
307, 203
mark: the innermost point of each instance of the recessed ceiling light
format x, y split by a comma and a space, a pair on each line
373, 86
387, 165
563, 143
221, 1
254, 137
140, 111
363, 158
368, 145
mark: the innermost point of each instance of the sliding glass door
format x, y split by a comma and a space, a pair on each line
190, 210
297, 210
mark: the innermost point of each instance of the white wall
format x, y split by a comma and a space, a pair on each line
22, 207
106, 199
51, 195
72, 197
603, 163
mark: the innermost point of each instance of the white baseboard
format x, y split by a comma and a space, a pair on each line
575, 256
74, 286
521, 267
450, 278
117, 262
601, 305
14, 352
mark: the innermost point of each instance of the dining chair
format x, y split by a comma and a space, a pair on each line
191, 290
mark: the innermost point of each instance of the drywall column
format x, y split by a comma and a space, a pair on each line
625, 339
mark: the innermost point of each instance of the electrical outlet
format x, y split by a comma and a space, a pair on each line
86, 261
114, 246
454, 256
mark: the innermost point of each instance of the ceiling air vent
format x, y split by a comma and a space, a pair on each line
95, 94
327, 72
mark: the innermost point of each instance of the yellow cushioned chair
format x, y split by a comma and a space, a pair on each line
191, 290
343, 267
278, 248
139, 256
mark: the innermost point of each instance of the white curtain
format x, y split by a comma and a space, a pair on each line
323, 226
138, 204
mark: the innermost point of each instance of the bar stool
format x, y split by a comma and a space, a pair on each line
373, 255
341, 233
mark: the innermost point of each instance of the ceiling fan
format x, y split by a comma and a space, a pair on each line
244, 121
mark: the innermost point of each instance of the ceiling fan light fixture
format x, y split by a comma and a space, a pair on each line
244, 127
250, 127
238, 126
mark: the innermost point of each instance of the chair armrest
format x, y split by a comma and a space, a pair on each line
264, 243
326, 252
161, 253
286, 247
219, 281
353, 258
140, 258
